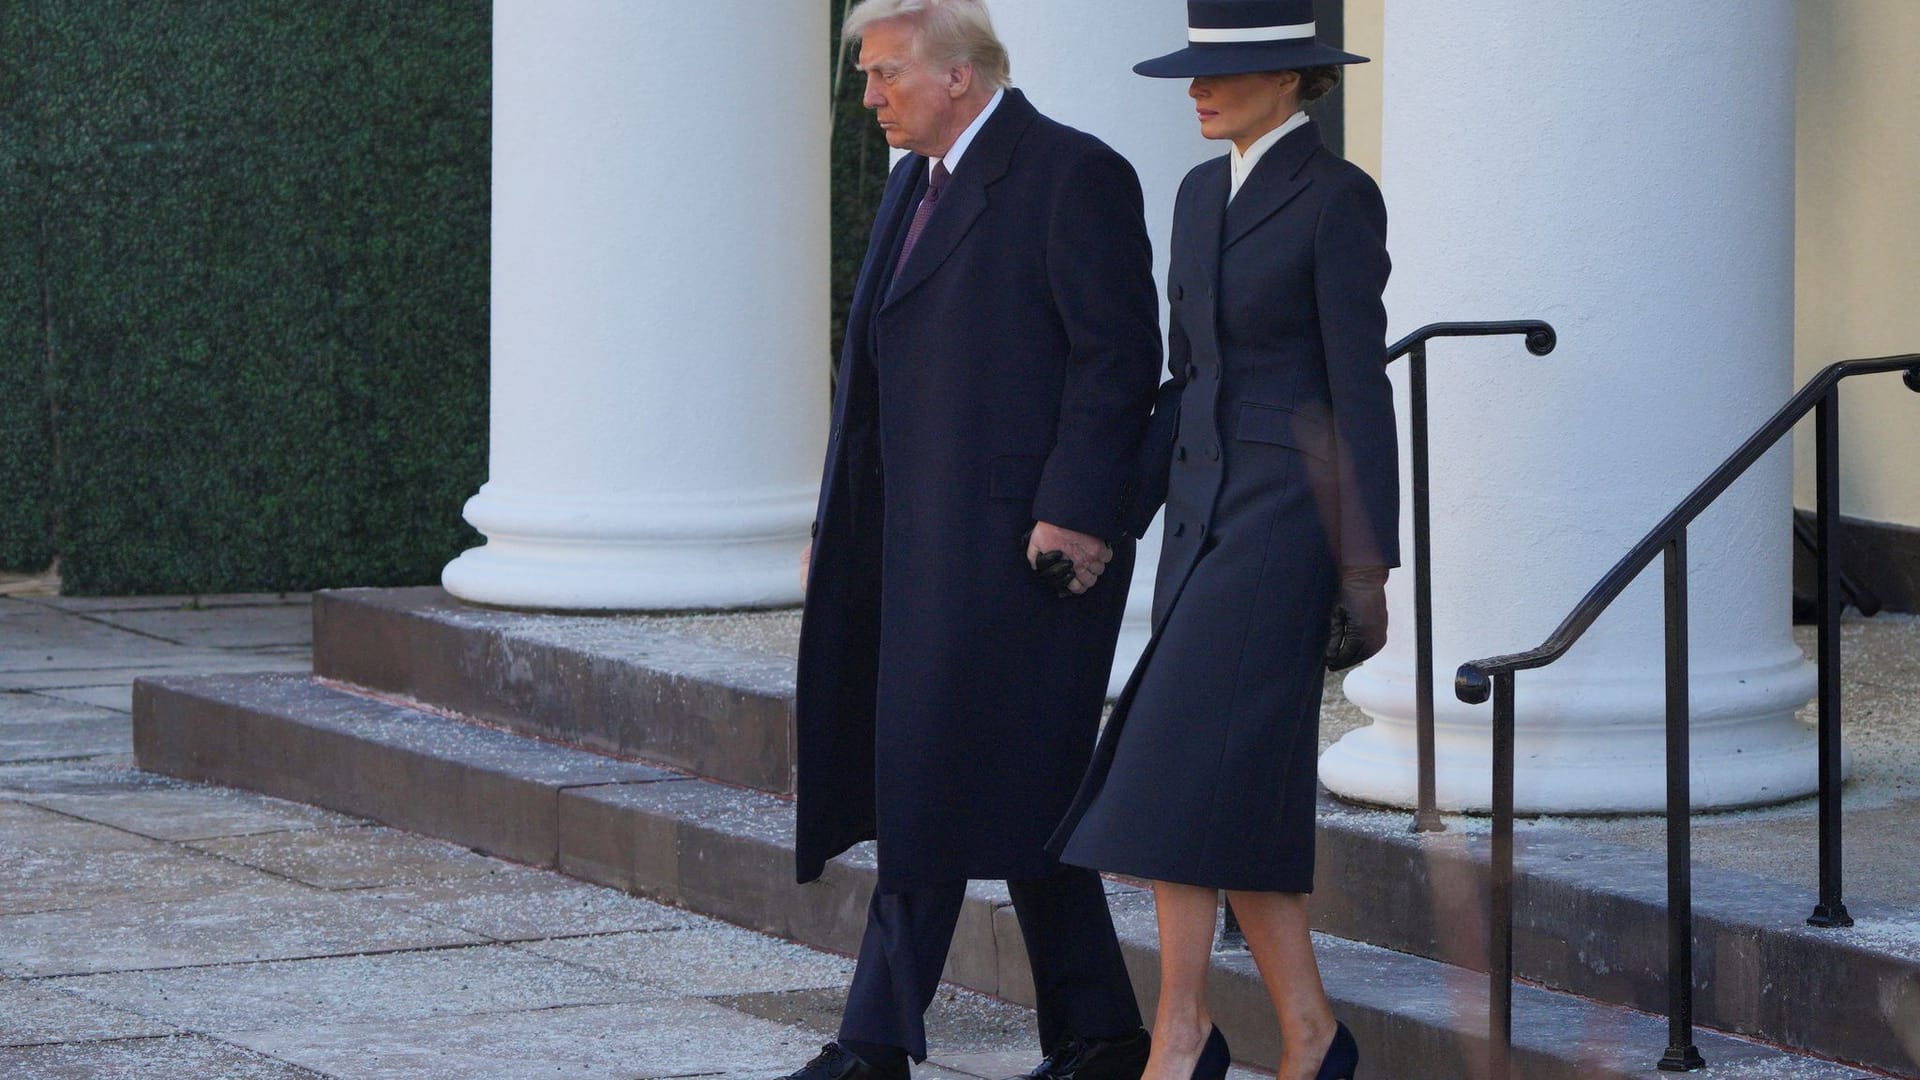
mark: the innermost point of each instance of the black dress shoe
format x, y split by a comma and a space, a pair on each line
1124, 1058
836, 1062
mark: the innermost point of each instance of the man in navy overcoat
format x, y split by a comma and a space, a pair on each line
999, 370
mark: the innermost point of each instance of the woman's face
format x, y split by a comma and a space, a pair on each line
1244, 107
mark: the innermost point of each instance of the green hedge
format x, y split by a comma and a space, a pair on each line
243, 287
26, 436
859, 176
256, 308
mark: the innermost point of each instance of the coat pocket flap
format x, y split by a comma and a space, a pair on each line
1278, 425
1015, 476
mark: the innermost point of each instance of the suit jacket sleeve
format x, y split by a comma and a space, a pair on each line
1350, 278
1100, 269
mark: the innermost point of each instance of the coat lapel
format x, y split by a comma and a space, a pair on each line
965, 199
1274, 183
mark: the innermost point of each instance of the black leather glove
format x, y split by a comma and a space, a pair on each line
1052, 569
1359, 627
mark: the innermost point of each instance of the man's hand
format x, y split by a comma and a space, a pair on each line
806, 567
1359, 627
1088, 555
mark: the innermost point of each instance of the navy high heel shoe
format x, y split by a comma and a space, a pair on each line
1343, 1057
1214, 1058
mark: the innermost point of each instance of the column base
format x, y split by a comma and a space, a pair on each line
661, 553
1748, 749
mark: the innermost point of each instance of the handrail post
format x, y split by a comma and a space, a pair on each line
1500, 933
1831, 911
1681, 1055
1426, 816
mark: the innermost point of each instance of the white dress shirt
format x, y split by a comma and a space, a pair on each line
965, 140
1243, 163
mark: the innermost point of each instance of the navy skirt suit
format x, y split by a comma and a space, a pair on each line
1273, 448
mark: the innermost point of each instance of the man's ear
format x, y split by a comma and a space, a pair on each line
959, 81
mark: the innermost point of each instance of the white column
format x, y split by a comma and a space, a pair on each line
1074, 59
1626, 171
659, 305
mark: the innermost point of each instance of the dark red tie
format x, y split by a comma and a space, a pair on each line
936, 180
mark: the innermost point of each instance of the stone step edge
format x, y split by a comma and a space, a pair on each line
726, 852
613, 687
1590, 915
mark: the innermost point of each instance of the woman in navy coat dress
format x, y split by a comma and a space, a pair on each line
1274, 448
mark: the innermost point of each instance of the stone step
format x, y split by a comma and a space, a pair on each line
1590, 915
727, 851
619, 686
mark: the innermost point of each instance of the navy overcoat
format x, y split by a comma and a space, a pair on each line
946, 703
1274, 447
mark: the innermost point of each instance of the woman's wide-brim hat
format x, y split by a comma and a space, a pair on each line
1236, 37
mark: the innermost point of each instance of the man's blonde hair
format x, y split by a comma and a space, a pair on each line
949, 32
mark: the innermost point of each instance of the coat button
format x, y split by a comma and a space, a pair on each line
1179, 528
1213, 453
1179, 453
1203, 528
1193, 372
1176, 292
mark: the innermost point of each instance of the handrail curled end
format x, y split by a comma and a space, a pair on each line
1912, 379
1542, 340
1471, 685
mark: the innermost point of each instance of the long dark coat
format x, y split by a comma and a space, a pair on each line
1275, 438
1007, 377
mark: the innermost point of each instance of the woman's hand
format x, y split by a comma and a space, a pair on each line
1359, 627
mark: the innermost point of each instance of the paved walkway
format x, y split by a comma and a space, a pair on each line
156, 929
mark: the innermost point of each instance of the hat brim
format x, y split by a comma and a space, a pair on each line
1242, 59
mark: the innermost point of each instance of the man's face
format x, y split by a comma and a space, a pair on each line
913, 100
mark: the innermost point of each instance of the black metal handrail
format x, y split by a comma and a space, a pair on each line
1541, 340
1494, 677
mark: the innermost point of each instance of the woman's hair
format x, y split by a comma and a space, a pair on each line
1318, 82
950, 31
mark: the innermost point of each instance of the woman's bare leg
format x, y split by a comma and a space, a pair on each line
1278, 936
1181, 1023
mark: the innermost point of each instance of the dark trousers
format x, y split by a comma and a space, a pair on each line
1080, 979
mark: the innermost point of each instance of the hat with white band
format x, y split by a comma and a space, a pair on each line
1234, 37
